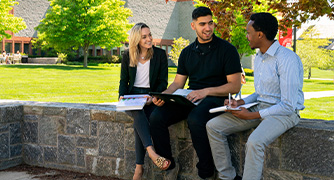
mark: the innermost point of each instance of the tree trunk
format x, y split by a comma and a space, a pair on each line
85, 56
309, 73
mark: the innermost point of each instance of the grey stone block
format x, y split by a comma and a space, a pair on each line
30, 132
130, 163
4, 146
272, 158
10, 114
5, 164
88, 142
15, 133
93, 128
66, 150
306, 150
4, 128
48, 130
36, 110
32, 154
186, 157
129, 137
237, 150
102, 115
311, 178
61, 125
100, 166
16, 150
81, 157
50, 154
55, 111
111, 139
123, 118
78, 121
118, 167
31, 117
281, 175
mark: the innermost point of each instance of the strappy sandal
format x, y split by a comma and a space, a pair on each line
160, 163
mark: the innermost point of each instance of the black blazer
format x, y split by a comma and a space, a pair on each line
158, 72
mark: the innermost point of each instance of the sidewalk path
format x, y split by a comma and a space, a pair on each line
319, 94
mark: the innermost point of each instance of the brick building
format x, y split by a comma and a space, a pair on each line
166, 20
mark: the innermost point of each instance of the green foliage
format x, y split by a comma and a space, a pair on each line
7, 21
72, 24
62, 58
310, 50
178, 45
231, 24
249, 72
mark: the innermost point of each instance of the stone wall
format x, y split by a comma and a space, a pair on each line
43, 60
96, 139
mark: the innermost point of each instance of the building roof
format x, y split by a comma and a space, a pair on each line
323, 25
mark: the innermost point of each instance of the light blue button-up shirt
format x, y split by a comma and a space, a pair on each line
278, 79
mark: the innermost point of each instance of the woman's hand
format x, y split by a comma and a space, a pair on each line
149, 100
120, 98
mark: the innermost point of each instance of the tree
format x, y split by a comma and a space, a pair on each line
178, 45
293, 13
7, 21
312, 53
70, 24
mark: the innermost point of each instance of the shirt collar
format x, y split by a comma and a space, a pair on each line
213, 42
273, 48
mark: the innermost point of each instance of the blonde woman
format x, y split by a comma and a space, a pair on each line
144, 68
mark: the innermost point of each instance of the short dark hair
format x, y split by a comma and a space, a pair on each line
201, 11
266, 23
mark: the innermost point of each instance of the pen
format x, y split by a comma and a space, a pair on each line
229, 99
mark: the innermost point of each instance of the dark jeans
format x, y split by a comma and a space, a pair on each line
162, 117
141, 126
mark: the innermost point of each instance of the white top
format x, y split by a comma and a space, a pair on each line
142, 77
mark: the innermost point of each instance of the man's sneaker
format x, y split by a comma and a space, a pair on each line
213, 177
172, 174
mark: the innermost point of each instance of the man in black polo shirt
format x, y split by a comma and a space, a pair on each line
213, 67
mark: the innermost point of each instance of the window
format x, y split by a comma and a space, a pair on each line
114, 51
8, 47
169, 49
26, 49
17, 47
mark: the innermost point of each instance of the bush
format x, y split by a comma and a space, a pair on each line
178, 45
249, 72
62, 58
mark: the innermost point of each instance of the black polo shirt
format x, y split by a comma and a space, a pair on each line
207, 65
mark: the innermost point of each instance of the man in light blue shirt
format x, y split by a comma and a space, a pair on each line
278, 81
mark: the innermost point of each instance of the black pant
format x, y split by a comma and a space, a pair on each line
141, 126
171, 113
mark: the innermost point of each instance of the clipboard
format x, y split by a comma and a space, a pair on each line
173, 98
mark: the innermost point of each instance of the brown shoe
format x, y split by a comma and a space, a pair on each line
172, 174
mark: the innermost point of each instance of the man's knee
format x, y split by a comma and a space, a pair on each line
158, 119
255, 144
195, 120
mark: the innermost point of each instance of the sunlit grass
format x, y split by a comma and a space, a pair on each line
75, 84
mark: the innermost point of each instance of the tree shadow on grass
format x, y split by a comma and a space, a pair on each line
57, 67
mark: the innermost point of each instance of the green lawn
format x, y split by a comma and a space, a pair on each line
97, 84
317, 73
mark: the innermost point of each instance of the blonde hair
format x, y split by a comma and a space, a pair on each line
134, 49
